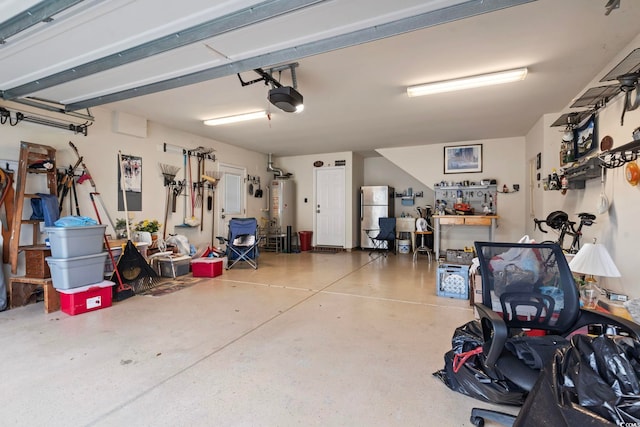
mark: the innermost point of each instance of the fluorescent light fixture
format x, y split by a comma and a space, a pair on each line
468, 82
236, 118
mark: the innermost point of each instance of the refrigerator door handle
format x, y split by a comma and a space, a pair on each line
361, 205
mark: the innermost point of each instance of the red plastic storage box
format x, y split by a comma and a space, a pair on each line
206, 267
86, 298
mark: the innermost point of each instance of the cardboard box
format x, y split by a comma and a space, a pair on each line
476, 292
459, 256
35, 264
207, 267
75, 272
86, 298
70, 242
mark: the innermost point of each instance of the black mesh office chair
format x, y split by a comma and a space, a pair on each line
385, 238
528, 286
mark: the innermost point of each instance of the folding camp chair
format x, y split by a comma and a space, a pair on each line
242, 243
386, 237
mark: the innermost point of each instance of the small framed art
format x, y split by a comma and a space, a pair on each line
463, 158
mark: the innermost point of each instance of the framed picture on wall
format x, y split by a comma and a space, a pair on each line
585, 137
463, 158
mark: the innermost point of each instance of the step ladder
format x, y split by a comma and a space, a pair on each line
30, 155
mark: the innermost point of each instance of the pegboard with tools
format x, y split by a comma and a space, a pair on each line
475, 199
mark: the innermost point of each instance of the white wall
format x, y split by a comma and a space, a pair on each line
99, 150
302, 169
619, 228
381, 171
503, 160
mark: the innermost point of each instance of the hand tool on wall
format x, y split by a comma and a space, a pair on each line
169, 173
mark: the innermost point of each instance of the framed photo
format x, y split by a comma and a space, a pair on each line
463, 158
585, 137
132, 181
538, 160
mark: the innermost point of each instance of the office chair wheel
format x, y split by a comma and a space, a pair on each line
477, 421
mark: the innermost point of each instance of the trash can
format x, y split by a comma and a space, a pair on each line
305, 240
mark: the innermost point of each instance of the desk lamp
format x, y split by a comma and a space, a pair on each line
593, 260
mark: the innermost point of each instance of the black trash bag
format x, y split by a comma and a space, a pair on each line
535, 351
547, 405
470, 378
602, 374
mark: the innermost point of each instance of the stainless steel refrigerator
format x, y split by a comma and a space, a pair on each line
375, 202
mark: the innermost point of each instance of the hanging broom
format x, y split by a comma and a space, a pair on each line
123, 290
212, 179
132, 267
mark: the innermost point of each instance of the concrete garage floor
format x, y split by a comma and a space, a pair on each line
309, 339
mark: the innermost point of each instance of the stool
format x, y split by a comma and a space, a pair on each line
422, 247
21, 289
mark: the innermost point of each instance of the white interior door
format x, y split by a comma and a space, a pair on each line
230, 197
330, 213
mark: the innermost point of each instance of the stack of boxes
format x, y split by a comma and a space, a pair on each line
77, 268
453, 274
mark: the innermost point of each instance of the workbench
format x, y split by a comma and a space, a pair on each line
489, 221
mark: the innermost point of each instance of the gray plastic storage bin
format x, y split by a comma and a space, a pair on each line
68, 273
69, 242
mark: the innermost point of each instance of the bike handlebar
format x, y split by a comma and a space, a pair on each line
585, 219
538, 224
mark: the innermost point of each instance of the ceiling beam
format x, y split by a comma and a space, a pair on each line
401, 26
36, 14
233, 21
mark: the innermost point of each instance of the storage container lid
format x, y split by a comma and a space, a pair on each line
207, 260
81, 227
103, 284
76, 259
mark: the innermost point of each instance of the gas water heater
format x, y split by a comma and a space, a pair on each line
282, 206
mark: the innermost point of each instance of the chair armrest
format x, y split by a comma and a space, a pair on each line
593, 317
493, 342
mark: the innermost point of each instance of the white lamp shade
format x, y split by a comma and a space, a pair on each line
594, 259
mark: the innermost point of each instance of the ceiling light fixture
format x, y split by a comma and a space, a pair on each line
234, 119
468, 82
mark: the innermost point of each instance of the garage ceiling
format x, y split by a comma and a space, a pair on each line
177, 64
